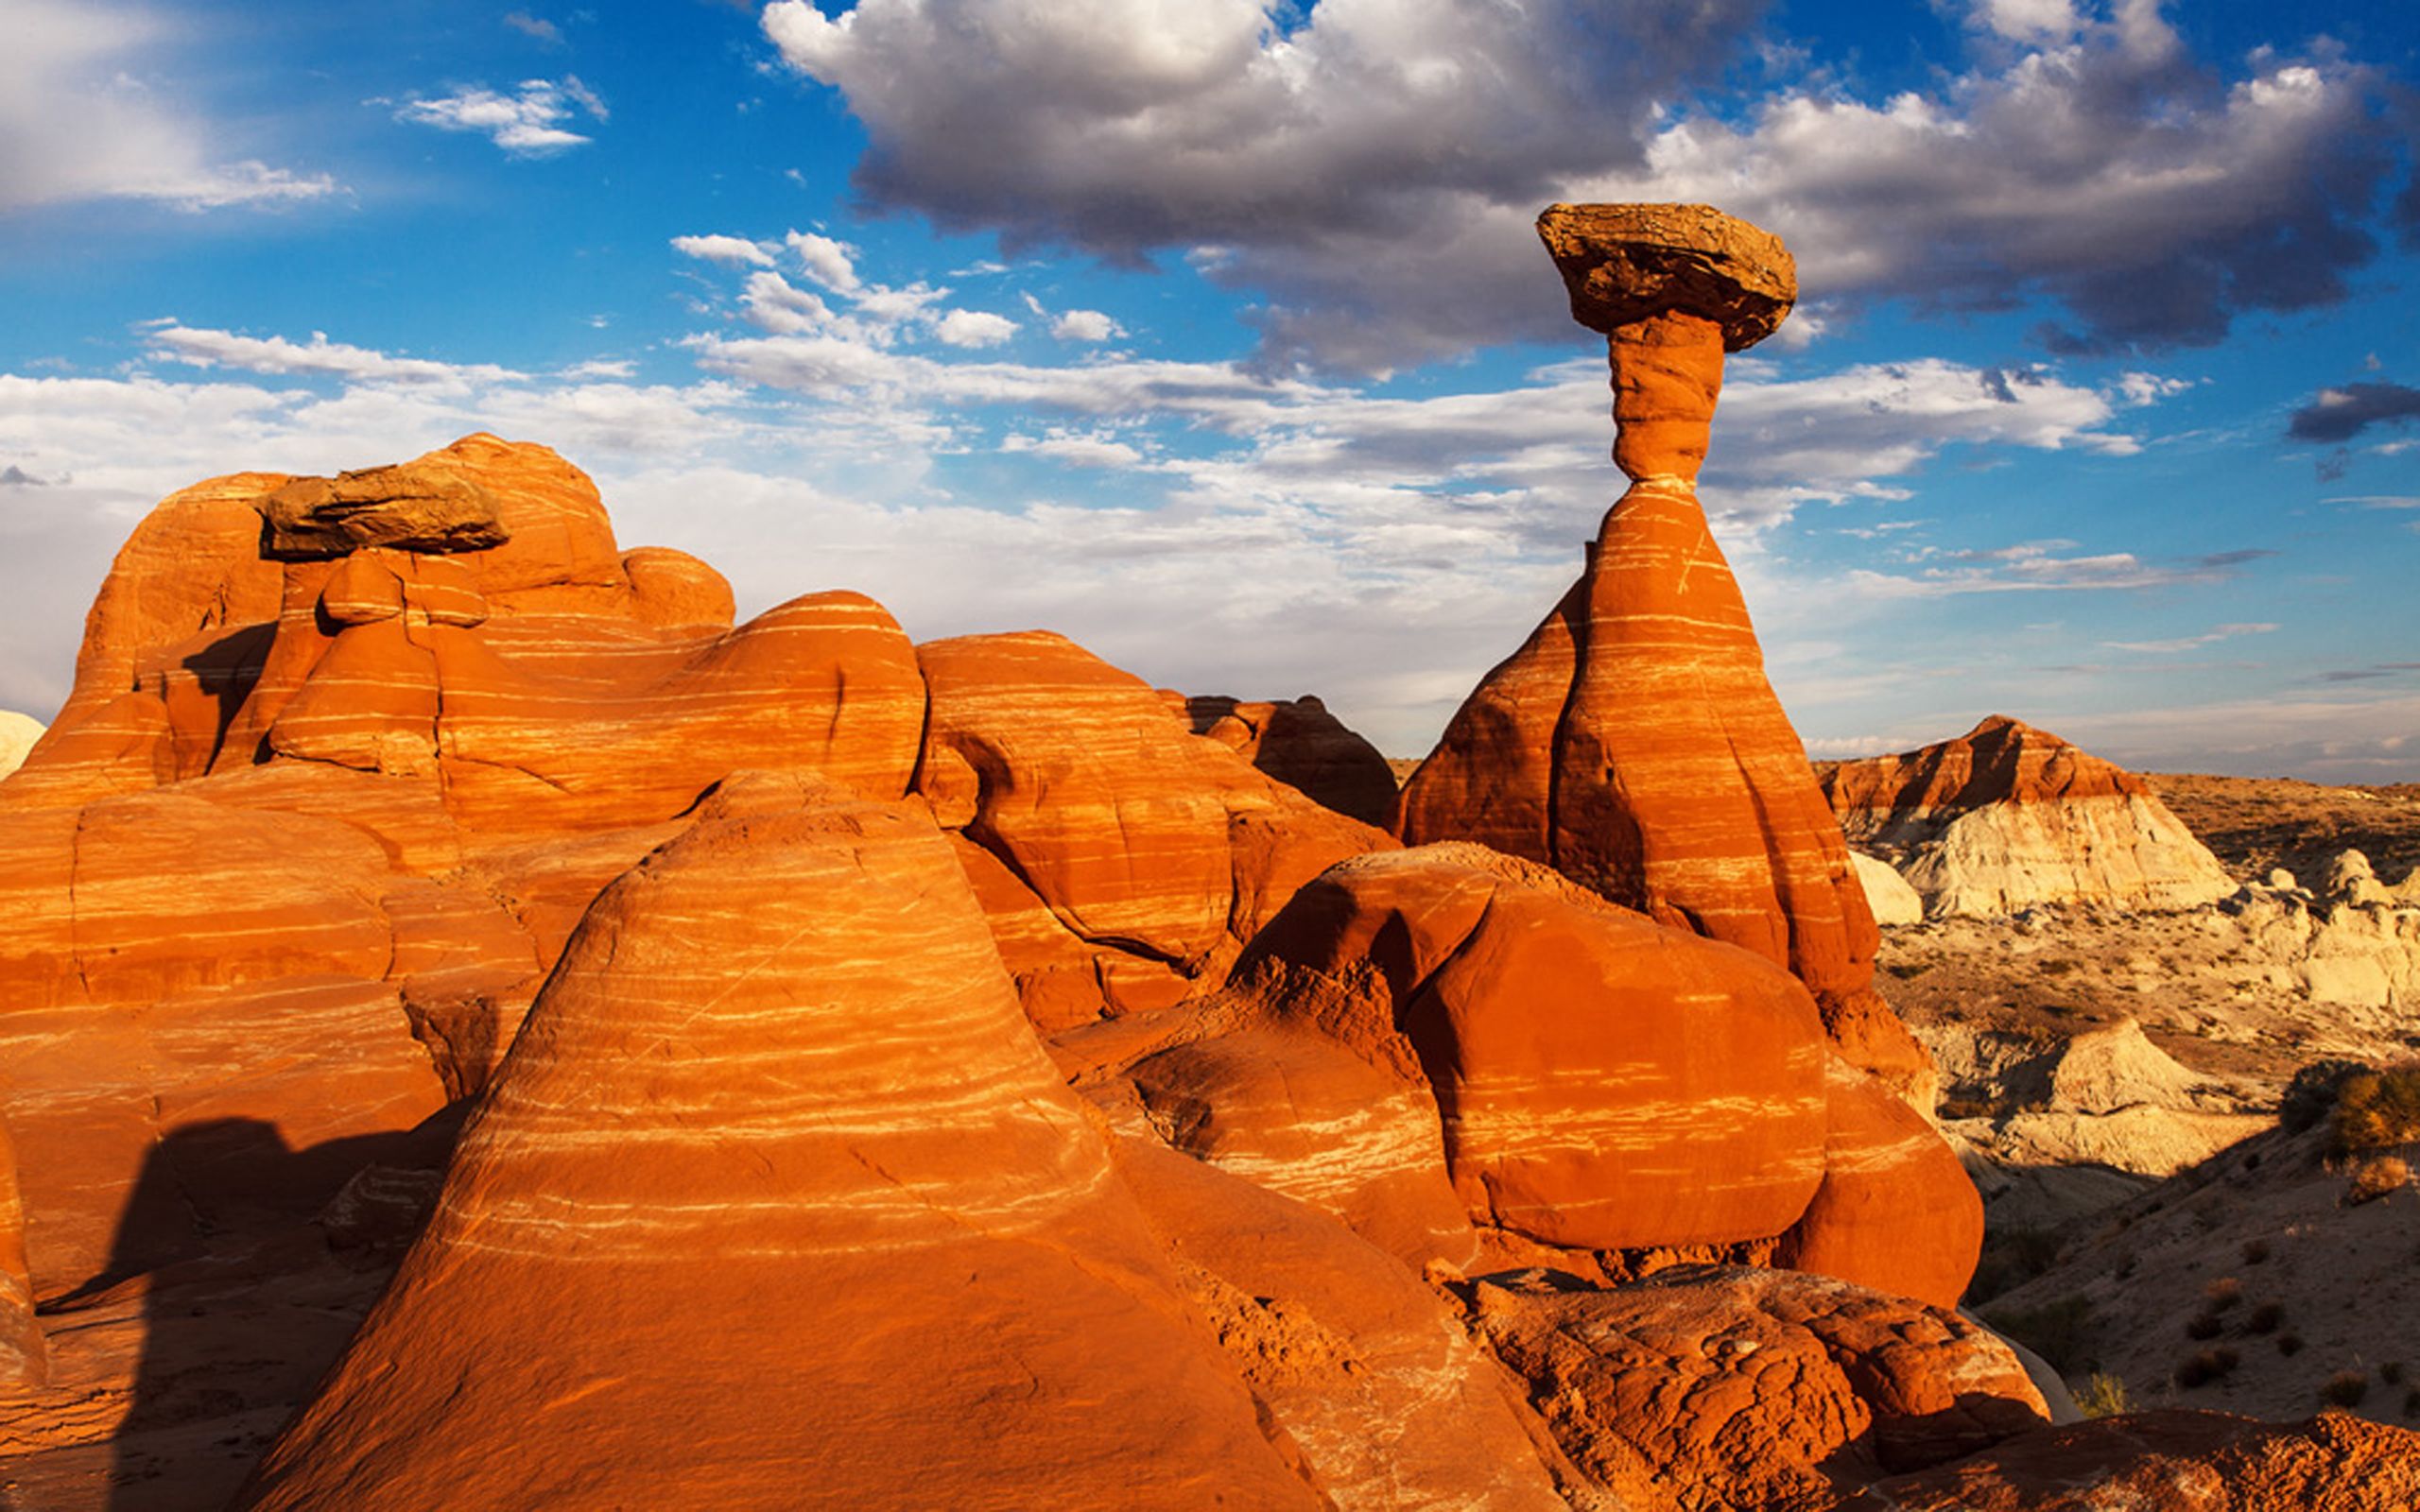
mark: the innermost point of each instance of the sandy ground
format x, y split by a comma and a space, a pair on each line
2257, 823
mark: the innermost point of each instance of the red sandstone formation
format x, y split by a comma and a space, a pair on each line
1156, 853
1711, 1388
1299, 743
2172, 1461
1459, 1054
2008, 815
300, 858
22, 1356
781, 1056
1634, 743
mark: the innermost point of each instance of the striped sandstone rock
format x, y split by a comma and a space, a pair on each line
1597, 1081
776, 1198
22, 1356
1633, 742
2007, 816
1896, 1210
1155, 852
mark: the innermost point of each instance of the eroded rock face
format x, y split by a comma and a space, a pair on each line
22, 1356
407, 507
1634, 743
2173, 1461
2008, 815
1156, 852
1299, 743
1706, 1388
1602, 1082
781, 1059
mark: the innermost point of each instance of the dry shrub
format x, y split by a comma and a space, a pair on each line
2223, 1294
2265, 1318
2376, 1110
2205, 1367
2377, 1178
2345, 1388
2256, 1251
2290, 1345
2203, 1326
2105, 1395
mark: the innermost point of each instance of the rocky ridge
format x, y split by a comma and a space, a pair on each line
2007, 817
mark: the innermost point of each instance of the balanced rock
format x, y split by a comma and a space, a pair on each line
407, 507
1299, 743
2007, 816
1155, 852
1710, 1388
781, 1060
1633, 742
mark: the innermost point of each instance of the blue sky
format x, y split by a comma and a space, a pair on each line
1214, 333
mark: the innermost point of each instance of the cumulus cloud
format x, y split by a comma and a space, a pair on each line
832, 263
526, 124
973, 328
77, 121
1374, 167
2337, 415
731, 252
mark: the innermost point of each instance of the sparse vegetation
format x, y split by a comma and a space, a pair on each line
2376, 1110
2060, 1332
2256, 1251
2311, 1096
2011, 1259
2411, 1402
2223, 1294
1965, 1107
2104, 1396
2345, 1388
2265, 1318
2204, 1325
2290, 1345
2377, 1178
1908, 970
2206, 1366
2391, 1372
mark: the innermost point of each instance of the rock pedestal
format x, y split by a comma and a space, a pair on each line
1634, 743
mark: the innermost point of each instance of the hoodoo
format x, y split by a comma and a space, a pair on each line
1633, 742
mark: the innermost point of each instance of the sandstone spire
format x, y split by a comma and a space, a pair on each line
1634, 743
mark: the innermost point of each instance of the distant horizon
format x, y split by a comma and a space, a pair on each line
1215, 336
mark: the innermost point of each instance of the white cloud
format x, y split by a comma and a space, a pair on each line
832, 263
526, 125
79, 122
1082, 325
1076, 450
731, 252
316, 357
973, 328
535, 27
2189, 643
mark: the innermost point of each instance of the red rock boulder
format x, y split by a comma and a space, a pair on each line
1708, 1389
1895, 1211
